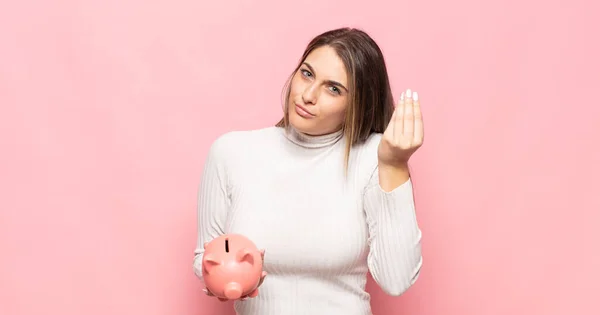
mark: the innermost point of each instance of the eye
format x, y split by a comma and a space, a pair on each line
335, 89
306, 73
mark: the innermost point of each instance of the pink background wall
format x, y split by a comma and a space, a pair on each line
108, 109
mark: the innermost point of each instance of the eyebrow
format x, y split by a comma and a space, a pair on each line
327, 81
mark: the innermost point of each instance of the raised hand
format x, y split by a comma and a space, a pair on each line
404, 134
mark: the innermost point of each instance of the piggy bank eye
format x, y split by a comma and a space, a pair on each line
227, 245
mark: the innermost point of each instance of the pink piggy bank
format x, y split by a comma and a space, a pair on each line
232, 267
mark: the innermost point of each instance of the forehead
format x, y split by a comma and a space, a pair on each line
327, 64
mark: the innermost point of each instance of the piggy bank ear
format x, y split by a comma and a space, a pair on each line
245, 255
210, 262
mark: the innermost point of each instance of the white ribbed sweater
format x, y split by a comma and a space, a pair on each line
322, 230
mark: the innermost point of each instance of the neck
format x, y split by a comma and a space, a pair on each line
312, 141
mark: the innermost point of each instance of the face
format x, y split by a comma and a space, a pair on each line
319, 93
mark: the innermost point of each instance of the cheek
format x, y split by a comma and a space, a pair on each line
296, 87
335, 109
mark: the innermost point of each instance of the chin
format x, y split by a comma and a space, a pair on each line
303, 125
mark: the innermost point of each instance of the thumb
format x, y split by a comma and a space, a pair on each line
207, 292
262, 278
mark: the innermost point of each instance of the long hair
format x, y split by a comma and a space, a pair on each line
371, 103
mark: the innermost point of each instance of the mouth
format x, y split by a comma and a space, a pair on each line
302, 111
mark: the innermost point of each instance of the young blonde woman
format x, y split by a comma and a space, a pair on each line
327, 191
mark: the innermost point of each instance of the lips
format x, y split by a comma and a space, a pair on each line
303, 111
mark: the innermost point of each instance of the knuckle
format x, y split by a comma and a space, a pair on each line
405, 145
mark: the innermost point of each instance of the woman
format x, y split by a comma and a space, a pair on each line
326, 192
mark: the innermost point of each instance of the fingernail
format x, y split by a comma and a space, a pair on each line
415, 96
402, 96
205, 291
408, 93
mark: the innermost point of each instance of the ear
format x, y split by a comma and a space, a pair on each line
210, 262
245, 255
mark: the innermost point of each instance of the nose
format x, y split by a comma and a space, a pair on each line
233, 290
310, 94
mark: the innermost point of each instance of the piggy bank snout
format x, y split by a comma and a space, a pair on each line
233, 291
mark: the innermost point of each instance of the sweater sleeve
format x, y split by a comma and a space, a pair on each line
213, 202
394, 258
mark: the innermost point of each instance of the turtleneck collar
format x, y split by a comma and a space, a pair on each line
310, 141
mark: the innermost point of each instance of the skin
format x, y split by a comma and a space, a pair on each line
402, 137
320, 87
